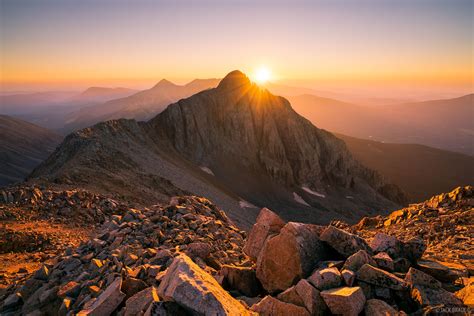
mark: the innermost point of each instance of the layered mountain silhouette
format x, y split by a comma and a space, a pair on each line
420, 171
23, 146
446, 124
140, 106
237, 144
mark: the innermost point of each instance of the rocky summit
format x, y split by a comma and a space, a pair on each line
236, 144
188, 258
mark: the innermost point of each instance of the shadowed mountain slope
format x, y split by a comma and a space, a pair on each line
421, 171
236, 144
23, 146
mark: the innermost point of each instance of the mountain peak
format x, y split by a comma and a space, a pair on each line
234, 79
164, 83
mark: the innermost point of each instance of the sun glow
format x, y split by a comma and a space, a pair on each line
262, 75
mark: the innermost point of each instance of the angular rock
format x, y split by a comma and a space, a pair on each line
375, 307
347, 301
417, 277
426, 296
140, 302
271, 306
290, 256
311, 297
198, 249
165, 309
357, 260
343, 242
197, 291
384, 261
268, 224
413, 249
107, 302
243, 279
379, 277
326, 278
132, 286
12, 301
442, 271
42, 273
348, 276
386, 243
466, 294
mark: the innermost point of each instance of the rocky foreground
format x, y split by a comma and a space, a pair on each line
189, 259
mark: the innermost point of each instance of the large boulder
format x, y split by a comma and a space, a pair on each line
107, 302
271, 306
347, 301
381, 278
268, 224
290, 256
190, 286
343, 242
374, 307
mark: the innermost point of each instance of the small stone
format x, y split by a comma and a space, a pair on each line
42, 273
326, 278
347, 301
70, 289
348, 276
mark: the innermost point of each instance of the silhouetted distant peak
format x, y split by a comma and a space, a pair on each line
164, 83
234, 79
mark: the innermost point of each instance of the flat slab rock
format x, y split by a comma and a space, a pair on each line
107, 302
348, 301
190, 286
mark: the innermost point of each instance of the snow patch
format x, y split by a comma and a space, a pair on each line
313, 192
207, 170
299, 199
245, 204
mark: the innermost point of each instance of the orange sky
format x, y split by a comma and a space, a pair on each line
322, 44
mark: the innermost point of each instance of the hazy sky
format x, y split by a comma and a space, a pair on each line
66, 43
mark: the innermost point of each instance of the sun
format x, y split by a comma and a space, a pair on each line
262, 75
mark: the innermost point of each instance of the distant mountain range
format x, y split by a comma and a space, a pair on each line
446, 124
421, 171
23, 146
140, 106
237, 144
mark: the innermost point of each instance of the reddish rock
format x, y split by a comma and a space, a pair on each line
305, 295
343, 242
357, 260
347, 301
379, 277
268, 224
140, 302
290, 256
271, 306
384, 261
326, 278
386, 243
107, 302
191, 287
348, 276
376, 307
243, 279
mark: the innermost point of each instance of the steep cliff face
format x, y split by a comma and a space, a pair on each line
241, 124
236, 144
